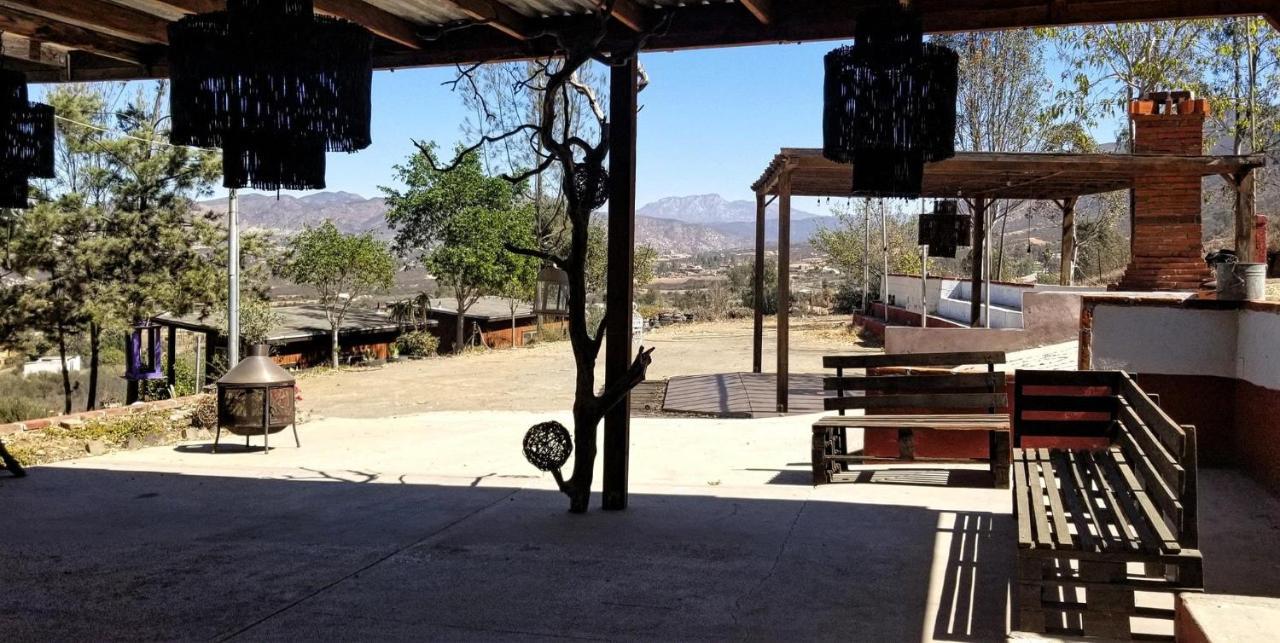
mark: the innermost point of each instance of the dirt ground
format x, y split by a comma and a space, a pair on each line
540, 378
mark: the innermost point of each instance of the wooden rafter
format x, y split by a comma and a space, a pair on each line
97, 15
496, 15
33, 51
628, 13
761, 9
377, 21
73, 37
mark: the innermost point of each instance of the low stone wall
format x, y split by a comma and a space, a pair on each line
59, 420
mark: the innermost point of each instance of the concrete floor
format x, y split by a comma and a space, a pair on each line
432, 527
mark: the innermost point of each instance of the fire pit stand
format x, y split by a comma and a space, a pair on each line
257, 397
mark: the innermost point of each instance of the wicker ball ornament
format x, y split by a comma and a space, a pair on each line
591, 185
547, 446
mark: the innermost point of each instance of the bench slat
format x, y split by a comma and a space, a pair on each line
920, 359
1148, 446
1068, 403
940, 422
1021, 493
976, 381
1071, 495
1169, 432
923, 401
1061, 532
1147, 476
1043, 538
1126, 495
1116, 532
1144, 503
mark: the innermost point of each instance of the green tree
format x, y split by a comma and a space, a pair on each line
472, 260
856, 245
343, 268
644, 261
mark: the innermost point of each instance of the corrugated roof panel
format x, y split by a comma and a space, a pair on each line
427, 12
548, 8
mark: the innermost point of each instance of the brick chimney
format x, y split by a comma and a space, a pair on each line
1167, 246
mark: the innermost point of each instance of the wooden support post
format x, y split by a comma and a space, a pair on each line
170, 353
979, 251
623, 85
1245, 218
1067, 267
784, 285
757, 331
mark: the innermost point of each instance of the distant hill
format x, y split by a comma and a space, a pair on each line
674, 225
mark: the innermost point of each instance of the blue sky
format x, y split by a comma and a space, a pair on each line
710, 122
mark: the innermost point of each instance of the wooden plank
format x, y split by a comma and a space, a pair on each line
1118, 534
1026, 377
33, 51
976, 290
96, 15
378, 21
757, 328
1190, 535
1061, 532
1082, 483
855, 458
784, 289
976, 381
73, 37
959, 422
1043, 538
919, 401
497, 15
916, 359
1127, 494
1068, 403
1062, 428
1072, 496
1145, 449
761, 9
1145, 504
628, 13
1021, 493
1170, 434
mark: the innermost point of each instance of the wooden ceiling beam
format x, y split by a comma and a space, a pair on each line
761, 9
33, 51
97, 15
627, 12
72, 37
496, 15
378, 21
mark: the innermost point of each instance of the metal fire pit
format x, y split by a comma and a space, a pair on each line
256, 398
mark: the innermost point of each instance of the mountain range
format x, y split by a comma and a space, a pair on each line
672, 225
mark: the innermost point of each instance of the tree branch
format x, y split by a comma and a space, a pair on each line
538, 254
635, 374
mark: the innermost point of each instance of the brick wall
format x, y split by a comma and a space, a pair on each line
1167, 244
42, 423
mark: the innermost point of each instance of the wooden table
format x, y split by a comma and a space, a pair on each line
997, 425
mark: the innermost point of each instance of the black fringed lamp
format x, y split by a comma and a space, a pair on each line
944, 229
26, 140
889, 104
274, 86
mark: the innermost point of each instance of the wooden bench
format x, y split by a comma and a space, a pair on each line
1097, 523
913, 392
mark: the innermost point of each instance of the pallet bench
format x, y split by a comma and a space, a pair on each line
923, 394
1098, 523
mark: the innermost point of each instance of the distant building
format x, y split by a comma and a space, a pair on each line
50, 364
302, 340
488, 321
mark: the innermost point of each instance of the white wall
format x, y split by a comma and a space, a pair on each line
1258, 348
905, 291
50, 365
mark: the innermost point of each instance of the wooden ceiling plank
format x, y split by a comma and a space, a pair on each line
378, 21
73, 37
627, 12
761, 9
97, 15
33, 51
496, 15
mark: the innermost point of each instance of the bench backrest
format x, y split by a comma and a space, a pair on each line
1160, 453
920, 381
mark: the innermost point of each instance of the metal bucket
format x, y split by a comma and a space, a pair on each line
1238, 281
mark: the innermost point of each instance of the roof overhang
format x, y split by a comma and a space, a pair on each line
86, 40
1002, 175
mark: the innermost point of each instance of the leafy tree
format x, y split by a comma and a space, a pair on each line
342, 268
742, 281
420, 213
848, 248
644, 259
472, 260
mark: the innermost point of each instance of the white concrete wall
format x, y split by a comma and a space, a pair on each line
50, 365
905, 291
1242, 344
1164, 340
1005, 295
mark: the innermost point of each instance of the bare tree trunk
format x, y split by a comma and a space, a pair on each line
334, 348
66, 374
95, 340
513, 324
460, 329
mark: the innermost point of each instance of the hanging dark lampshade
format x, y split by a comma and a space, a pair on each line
26, 140
273, 85
889, 104
944, 229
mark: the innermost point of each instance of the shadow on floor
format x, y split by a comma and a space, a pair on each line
966, 478
335, 554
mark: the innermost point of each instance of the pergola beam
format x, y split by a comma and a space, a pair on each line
627, 12
496, 15
378, 21
761, 9
99, 16
33, 51
72, 37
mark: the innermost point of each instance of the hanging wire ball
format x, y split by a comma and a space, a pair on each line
592, 185
547, 446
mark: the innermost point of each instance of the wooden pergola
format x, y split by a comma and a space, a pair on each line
979, 178
87, 40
